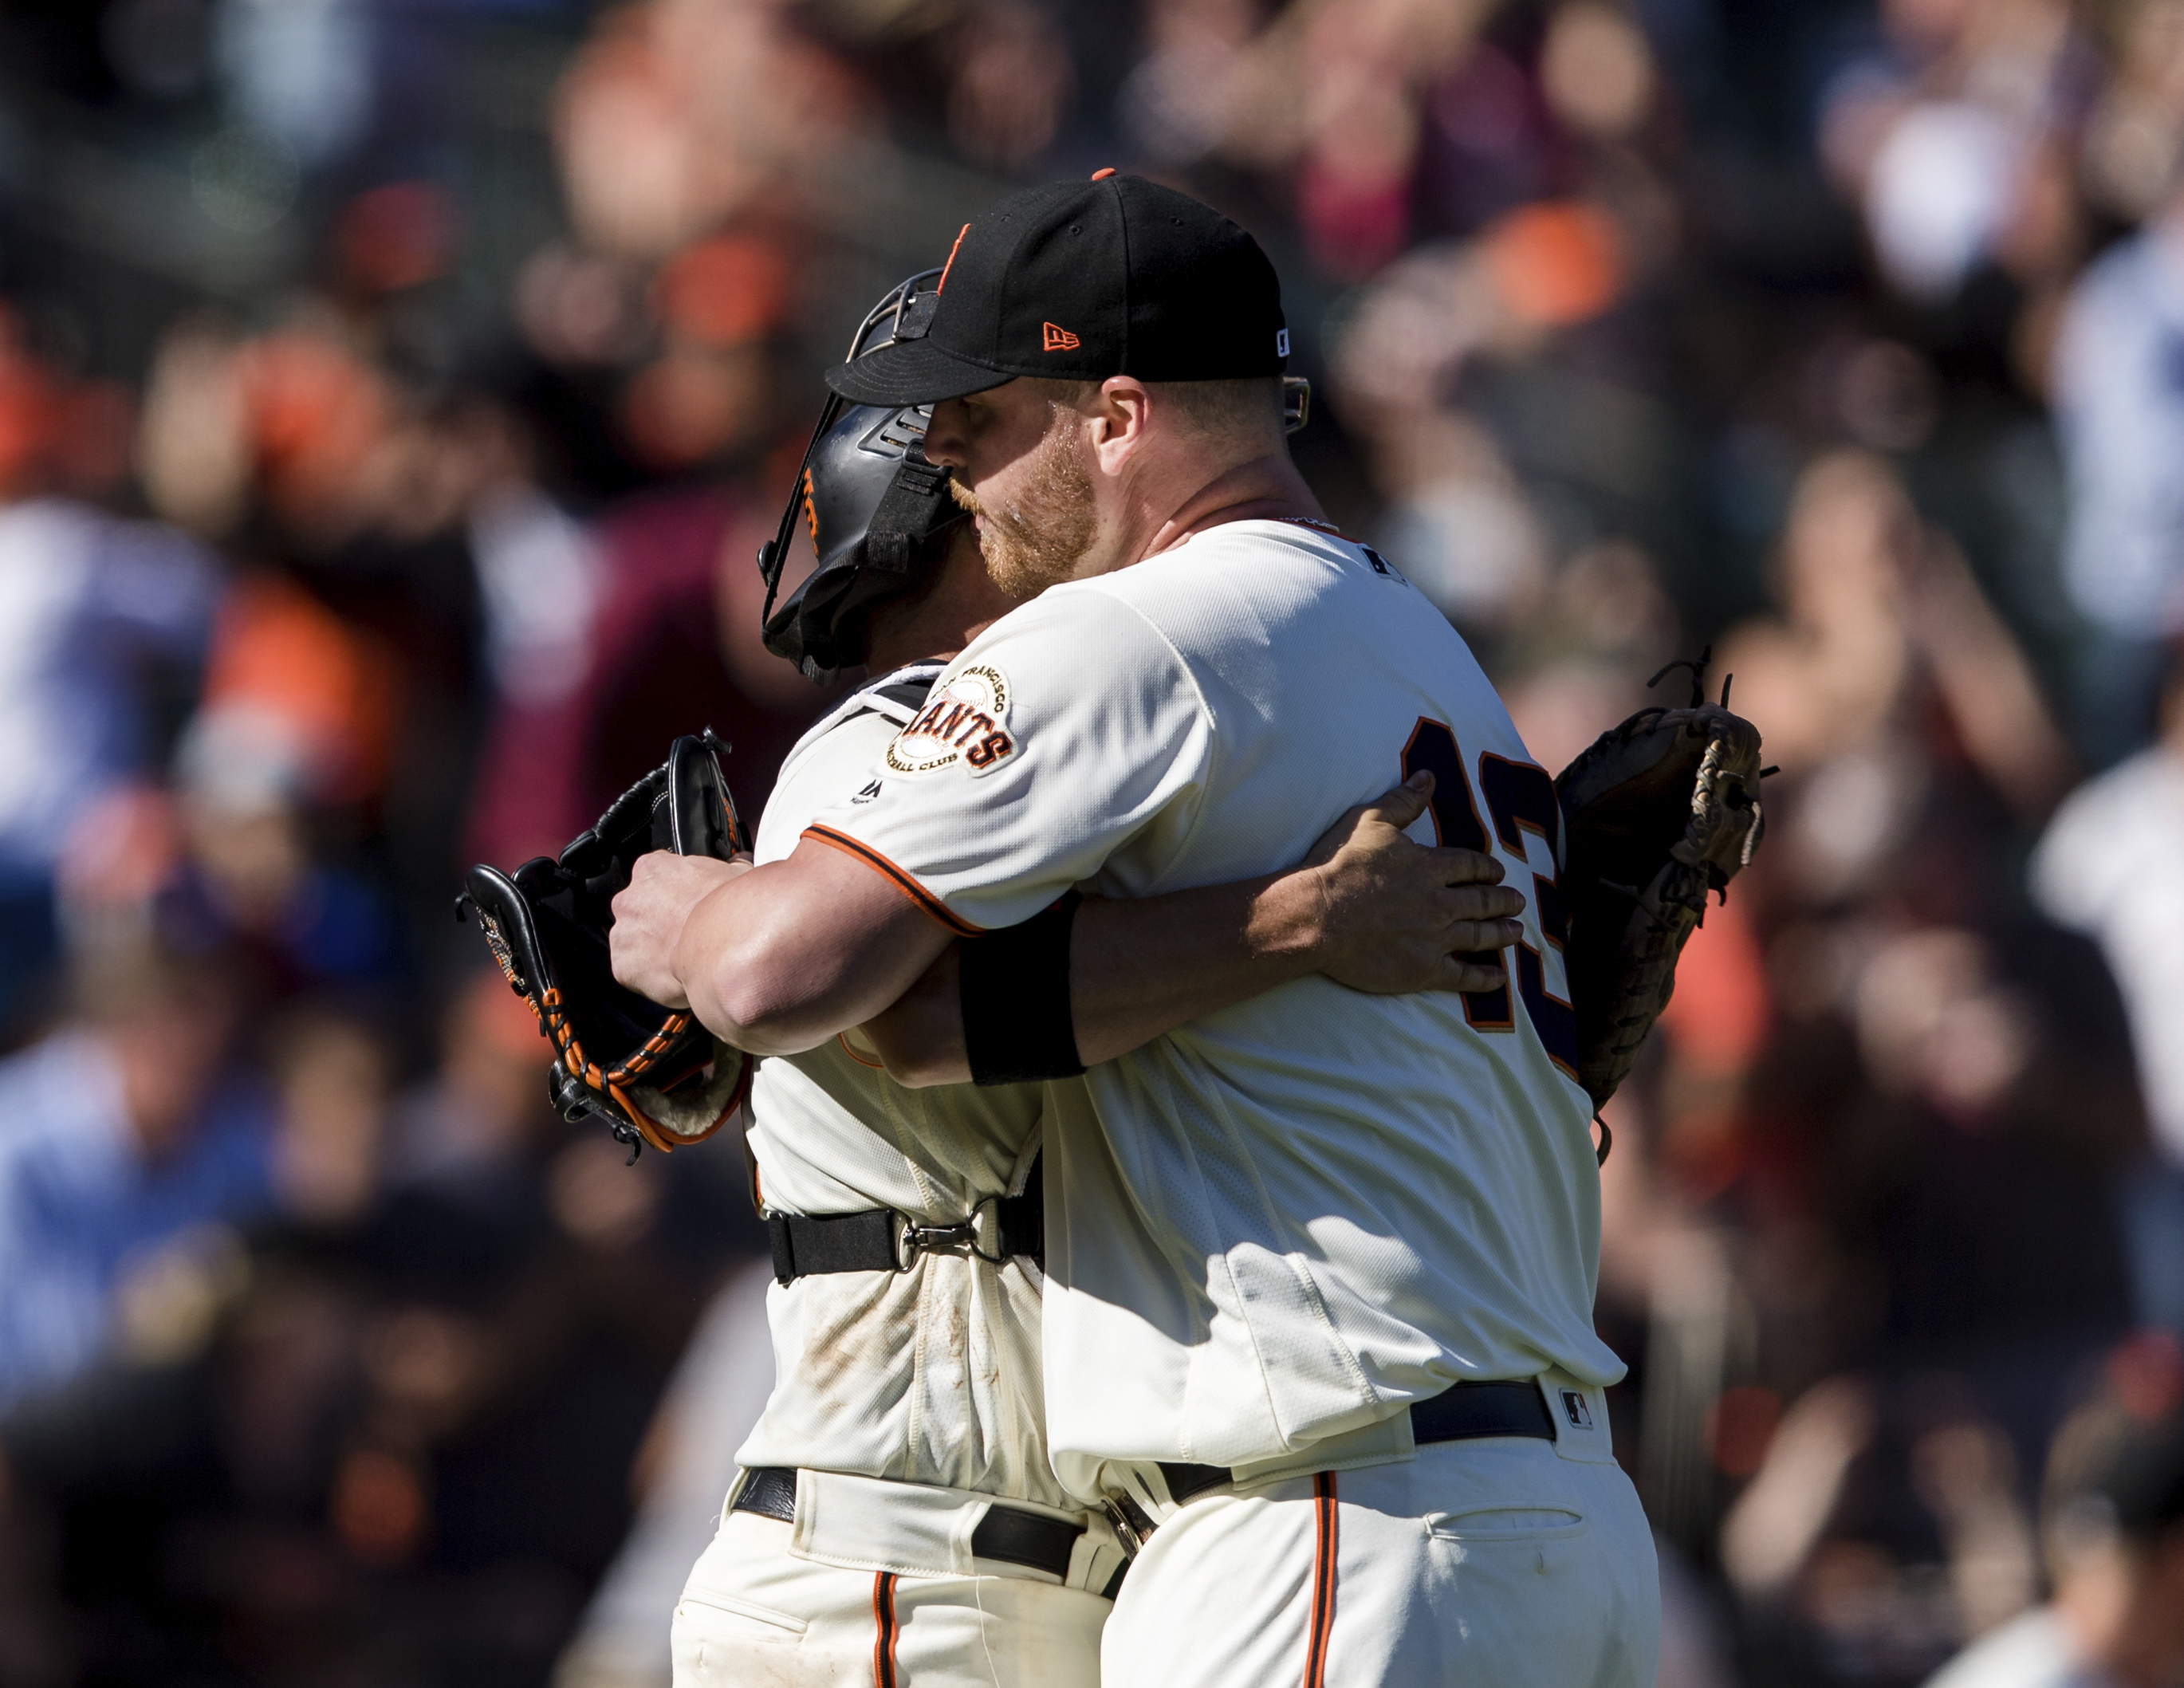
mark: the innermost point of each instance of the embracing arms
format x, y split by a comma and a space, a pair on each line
779, 958
1366, 907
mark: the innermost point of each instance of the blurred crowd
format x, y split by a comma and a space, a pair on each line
393, 397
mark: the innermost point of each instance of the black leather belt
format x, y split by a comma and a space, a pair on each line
1009, 1534
881, 1239
1462, 1413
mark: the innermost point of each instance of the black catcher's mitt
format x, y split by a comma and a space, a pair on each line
652, 1074
1656, 813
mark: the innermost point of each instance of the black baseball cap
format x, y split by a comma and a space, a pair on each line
1078, 280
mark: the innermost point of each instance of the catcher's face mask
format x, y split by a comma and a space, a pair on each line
875, 508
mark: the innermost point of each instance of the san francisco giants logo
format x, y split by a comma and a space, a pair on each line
966, 723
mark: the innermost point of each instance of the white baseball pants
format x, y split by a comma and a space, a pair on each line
894, 1601
1504, 1563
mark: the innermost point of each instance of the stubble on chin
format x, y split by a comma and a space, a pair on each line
1043, 535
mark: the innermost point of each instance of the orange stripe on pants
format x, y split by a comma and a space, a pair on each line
1326, 1534
883, 1622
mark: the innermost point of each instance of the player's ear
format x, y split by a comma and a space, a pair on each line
1120, 410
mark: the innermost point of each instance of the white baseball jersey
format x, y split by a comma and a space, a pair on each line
930, 1375
1287, 1220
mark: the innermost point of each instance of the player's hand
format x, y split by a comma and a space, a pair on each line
649, 915
1400, 916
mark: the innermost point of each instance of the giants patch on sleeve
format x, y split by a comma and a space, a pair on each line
966, 721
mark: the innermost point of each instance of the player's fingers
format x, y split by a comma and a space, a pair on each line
1472, 936
1458, 972
1456, 866
1480, 902
1402, 805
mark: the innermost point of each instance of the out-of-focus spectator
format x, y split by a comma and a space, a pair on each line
125, 1129
678, 114
320, 1442
306, 701
1859, 1480
93, 608
2119, 386
539, 572
247, 772
1881, 615
1011, 85
2115, 1538
331, 1078
608, 636
2112, 866
480, 1107
2135, 131
1942, 135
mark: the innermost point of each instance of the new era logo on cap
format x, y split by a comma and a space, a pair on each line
1057, 339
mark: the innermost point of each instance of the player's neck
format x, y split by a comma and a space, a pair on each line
962, 603
1267, 488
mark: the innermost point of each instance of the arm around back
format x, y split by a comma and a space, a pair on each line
1368, 906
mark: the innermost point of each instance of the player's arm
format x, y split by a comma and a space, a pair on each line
1101, 734
775, 959
1367, 907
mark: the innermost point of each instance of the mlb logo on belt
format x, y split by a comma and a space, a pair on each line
1579, 1415
1055, 339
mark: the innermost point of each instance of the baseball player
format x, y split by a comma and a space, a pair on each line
897, 1517
1320, 1267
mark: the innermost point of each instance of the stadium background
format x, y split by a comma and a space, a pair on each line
392, 396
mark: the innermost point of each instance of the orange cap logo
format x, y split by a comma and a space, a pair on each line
1054, 339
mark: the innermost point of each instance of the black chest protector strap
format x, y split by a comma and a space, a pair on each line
881, 1239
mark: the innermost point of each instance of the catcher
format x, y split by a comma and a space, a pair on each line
898, 1518
1319, 1293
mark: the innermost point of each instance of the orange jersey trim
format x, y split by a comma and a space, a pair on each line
903, 880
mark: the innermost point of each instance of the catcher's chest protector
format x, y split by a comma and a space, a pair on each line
652, 1074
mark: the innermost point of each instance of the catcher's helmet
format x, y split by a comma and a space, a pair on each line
878, 512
